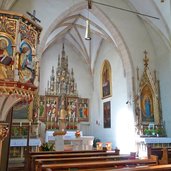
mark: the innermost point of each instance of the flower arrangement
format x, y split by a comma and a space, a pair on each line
152, 131
47, 147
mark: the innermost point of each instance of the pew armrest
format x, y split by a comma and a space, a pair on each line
165, 158
154, 157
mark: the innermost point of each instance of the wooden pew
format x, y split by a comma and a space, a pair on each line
55, 152
68, 155
40, 162
166, 167
97, 164
163, 153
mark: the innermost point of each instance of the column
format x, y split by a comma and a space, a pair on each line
3, 134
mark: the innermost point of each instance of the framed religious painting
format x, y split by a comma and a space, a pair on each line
147, 107
21, 110
83, 110
107, 114
106, 80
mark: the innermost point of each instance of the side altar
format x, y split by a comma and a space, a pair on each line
150, 126
155, 142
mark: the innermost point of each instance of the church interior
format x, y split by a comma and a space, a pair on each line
83, 81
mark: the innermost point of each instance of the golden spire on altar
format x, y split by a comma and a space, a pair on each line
146, 59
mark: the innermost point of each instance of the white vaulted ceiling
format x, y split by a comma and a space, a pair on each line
6, 4
72, 31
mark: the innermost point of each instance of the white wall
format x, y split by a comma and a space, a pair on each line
121, 118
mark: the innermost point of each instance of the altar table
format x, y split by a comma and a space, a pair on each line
80, 143
143, 142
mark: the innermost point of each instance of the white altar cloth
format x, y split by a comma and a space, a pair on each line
143, 142
23, 142
154, 140
68, 136
80, 143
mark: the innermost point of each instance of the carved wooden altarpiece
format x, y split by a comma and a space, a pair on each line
61, 101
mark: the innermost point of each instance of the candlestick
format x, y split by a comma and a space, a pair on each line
99, 146
155, 76
137, 73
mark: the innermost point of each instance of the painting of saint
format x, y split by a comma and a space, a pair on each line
51, 108
5, 51
147, 105
83, 110
106, 115
72, 107
6, 60
26, 63
41, 106
106, 79
21, 110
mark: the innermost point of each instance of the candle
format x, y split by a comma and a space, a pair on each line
109, 146
99, 146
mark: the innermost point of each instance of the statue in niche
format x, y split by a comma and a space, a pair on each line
53, 110
41, 109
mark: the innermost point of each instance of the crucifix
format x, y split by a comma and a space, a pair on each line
33, 16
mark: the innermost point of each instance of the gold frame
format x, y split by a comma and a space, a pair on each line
107, 73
